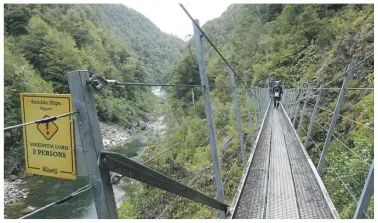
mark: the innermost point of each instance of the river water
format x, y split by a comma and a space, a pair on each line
44, 190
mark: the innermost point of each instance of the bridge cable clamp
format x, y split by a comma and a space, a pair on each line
97, 82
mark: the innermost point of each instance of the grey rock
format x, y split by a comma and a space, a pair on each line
142, 125
135, 122
13, 177
31, 208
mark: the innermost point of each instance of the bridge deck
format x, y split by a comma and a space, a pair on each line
281, 181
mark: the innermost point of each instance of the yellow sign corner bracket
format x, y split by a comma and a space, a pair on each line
49, 147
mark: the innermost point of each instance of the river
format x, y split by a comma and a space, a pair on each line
44, 190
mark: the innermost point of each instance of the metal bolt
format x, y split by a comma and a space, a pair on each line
85, 150
80, 123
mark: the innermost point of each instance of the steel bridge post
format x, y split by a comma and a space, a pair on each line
255, 111
334, 120
209, 116
293, 96
292, 100
258, 103
313, 117
303, 110
297, 103
266, 95
289, 100
238, 121
285, 99
91, 142
366, 194
261, 105
249, 117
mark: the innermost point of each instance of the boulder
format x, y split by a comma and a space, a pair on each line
142, 125
135, 122
107, 142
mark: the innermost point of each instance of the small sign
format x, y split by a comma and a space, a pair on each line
49, 147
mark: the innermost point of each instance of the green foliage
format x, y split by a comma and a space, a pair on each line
293, 43
289, 42
127, 211
15, 19
44, 42
156, 50
19, 77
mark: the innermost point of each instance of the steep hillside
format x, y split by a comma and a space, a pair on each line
44, 42
157, 50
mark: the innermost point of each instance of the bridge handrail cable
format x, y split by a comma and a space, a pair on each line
349, 69
43, 120
331, 113
338, 176
343, 144
336, 173
201, 171
61, 200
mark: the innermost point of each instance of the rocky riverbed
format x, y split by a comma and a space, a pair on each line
112, 135
12, 193
25, 195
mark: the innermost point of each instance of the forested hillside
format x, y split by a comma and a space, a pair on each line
294, 43
44, 42
156, 50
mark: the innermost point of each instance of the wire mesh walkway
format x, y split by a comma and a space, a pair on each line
281, 181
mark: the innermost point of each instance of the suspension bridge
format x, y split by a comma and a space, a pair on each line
279, 178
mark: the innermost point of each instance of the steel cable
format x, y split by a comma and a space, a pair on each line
343, 144
224, 181
215, 48
43, 120
331, 112
62, 200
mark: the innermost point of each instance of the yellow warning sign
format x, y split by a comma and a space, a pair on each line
49, 146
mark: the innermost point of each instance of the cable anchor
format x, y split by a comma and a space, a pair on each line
98, 82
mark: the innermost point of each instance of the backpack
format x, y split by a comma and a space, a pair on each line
276, 91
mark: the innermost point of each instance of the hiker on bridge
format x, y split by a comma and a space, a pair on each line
277, 93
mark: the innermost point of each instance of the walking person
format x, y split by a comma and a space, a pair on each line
277, 93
